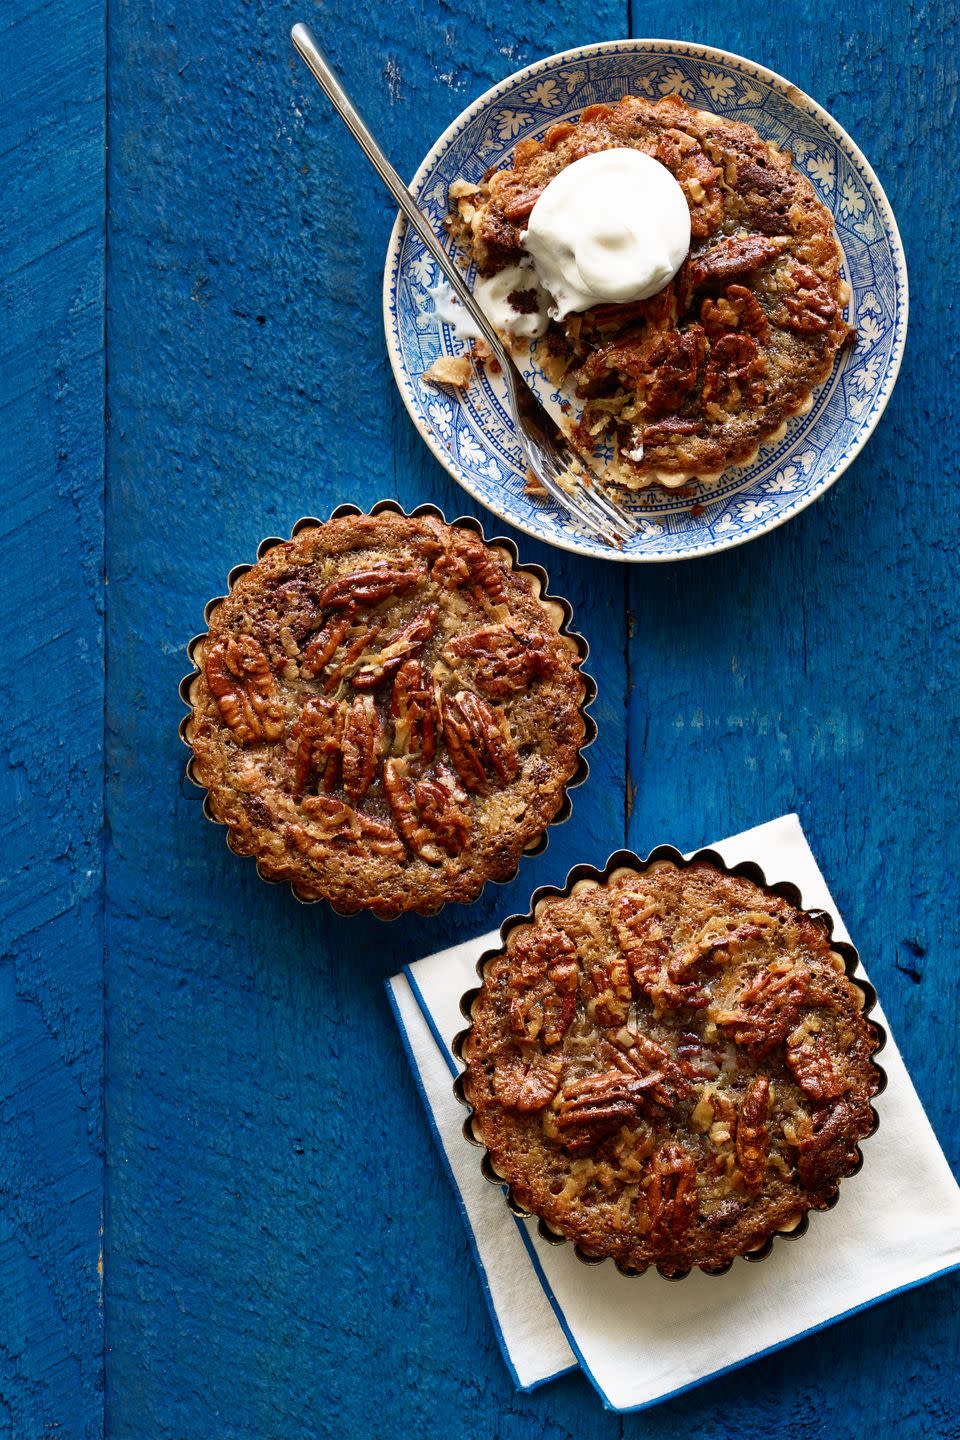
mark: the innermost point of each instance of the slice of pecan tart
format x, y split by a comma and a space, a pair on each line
694, 378
387, 711
669, 1063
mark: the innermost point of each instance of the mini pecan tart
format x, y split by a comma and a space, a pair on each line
387, 711
691, 380
669, 1063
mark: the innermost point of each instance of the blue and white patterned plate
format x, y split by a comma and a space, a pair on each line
472, 434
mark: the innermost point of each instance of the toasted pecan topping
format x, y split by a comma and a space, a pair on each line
318, 739
479, 740
642, 1054
827, 1144
768, 1008
365, 588
808, 304
607, 991
429, 813
736, 255
443, 810
407, 641
734, 373
362, 744
324, 646
655, 1130
413, 710
672, 1196
645, 943
753, 1137
673, 369
467, 562
668, 430
736, 309
543, 987
501, 659
242, 683
334, 821
813, 1066
590, 1109
339, 652
527, 1084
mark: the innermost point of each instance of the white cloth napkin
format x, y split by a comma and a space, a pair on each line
640, 1340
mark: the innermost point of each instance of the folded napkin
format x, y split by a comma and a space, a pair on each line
644, 1339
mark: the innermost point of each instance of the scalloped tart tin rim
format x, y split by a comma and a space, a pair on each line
539, 843
629, 859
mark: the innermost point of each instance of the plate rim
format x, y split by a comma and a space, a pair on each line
793, 93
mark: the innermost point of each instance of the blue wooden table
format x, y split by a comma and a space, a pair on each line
221, 1215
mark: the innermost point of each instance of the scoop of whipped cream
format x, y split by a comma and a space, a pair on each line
610, 228
525, 315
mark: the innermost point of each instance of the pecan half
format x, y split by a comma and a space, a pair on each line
334, 822
607, 991
826, 1147
362, 589
466, 561
700, 179
429, 813
696, 1059
356, 638
501, 659
808, 307
324, 645
813, 1066
543, 986
659, 312
519, 204
736, 309
591, 1109
640, 935
753, 1137
710, 950
362, 743
737, 255
734, 373
440, 803
642, 938
317, 736
768, 1008
623, 360
675, 366
664, 432
478, 739
527, 1085
406, 642
413, 710
644, 1058
239, 678
671, 1195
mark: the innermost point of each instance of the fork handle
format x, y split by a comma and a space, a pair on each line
321, 70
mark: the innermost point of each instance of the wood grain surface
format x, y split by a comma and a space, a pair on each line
52, 172
283, 1255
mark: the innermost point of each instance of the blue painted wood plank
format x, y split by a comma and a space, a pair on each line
816, 670
254, 1069
52, 122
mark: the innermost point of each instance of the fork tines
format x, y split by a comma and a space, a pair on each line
594, 509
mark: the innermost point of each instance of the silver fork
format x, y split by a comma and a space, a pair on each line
547, 451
